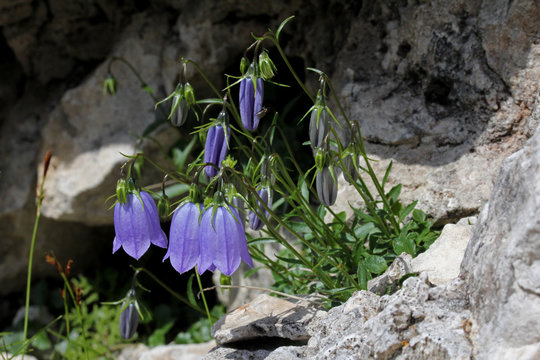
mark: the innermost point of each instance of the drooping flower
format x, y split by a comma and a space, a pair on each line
326, 186
223, 241
217, 144
255, 222
318, 126
184, 237
183, 99
136, 224
251, 100
348, 166
129, 318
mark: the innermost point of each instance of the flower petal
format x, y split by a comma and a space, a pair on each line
184, 237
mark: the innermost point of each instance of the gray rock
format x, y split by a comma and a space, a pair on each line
163, 352
267, 317
388, 281
502, 261
442, 261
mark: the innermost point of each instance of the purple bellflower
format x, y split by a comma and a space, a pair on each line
136, 224
184, 237
251, 102
255, 221
326, 186
222, 240
216, 147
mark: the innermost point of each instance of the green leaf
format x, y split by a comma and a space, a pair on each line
394, 193
282, 25
376, 264
300, 227
419, 215
386, 174
158, 336
407, 210
191, 296
365, 230
404, 244
362, 274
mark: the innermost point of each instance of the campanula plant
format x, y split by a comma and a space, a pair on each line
136, 222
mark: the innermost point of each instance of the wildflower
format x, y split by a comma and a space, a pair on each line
223, 241
216, 147
319, 126
184, 237
326, 185
255, 222
129, 320
136, 224
183, 99
109, 85
348, 166
251, 99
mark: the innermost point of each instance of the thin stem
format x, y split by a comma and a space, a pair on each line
261, 289
79, 314
202, 295
171, 291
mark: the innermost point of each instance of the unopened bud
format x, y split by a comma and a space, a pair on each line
121, 190
244, 63
326, 187
109, 85
129, 319
267, 68
164, 207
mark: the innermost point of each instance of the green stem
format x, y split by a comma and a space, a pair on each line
79, 314
171, 291
202, 295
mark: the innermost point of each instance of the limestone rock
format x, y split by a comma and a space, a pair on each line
166, 352
400, 267
502, 261
442, 260
267, 317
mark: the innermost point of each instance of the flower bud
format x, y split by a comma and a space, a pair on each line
318, 126
216, 147
109, 85
164, 207
250, 100
121, 190
129, 319
244, 64
326, 186
348, 166
255, 221
267, 68
320, 158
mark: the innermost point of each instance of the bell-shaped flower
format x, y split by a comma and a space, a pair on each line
183, 99
326, 184
136, 224
183, 249
129, 318
348, 167
319, 126
255, 222
223, 243
217, 143
251, 100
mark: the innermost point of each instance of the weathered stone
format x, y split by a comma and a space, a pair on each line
388, 281
166, 352
266, 317
502, 261
88, 132
442, 261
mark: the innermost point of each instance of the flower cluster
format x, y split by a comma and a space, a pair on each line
211, 238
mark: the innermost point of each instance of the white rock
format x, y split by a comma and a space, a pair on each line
442, 260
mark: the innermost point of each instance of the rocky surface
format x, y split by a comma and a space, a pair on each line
442, 261
446, 90
166, 352
491, 311
502, 262
267, 317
